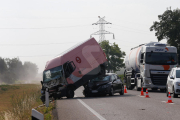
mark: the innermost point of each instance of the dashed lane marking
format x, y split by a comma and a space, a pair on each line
90, 109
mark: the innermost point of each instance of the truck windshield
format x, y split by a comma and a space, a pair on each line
161, 58
54, 73
177, 73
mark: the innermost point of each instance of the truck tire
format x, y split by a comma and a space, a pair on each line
111, 92
174, 94
70, 93
86, 93
131, 87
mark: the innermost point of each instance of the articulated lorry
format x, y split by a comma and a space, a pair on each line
148, 66
73, 68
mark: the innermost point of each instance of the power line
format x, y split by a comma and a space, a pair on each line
30, 56
48, 27
130, 30
34, 44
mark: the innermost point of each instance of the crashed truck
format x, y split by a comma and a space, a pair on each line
148, 66
73, 68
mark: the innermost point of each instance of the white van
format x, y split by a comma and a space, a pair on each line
173, 82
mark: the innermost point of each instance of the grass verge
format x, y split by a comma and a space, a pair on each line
17, 101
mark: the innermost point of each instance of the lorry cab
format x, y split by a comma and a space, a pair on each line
73, 68
148, 65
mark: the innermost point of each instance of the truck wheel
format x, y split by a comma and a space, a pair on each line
174, 94
43, 99
111, 92
70, 93
131, 87
144, 89
122, 91
86, 94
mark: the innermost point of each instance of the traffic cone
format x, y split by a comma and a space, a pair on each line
142, 93
125, 89
147, 96
169, 98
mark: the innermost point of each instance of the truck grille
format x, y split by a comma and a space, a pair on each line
159, 79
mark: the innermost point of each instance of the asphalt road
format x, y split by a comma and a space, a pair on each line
129, 106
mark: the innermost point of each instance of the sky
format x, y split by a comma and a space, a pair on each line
39, 30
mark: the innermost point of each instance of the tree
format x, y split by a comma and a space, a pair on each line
168, 28
15, 70
114, 55
31, 70
3, 66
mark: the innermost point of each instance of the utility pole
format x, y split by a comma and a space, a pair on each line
101, 31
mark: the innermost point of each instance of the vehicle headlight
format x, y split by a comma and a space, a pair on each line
178, 83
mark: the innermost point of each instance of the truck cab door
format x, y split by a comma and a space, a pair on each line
69, 68
142, 63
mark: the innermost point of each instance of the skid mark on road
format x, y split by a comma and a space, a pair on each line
90, 109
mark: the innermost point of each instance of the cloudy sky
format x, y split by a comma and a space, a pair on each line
38, 30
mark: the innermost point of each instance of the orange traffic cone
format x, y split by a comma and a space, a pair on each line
125, 89
142, 93
147, 96
169, 98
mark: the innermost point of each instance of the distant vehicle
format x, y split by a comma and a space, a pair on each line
73, 68
148, 66
108, 84
173, 82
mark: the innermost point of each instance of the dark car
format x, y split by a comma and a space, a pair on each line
108, 84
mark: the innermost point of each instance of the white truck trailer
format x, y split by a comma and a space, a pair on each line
148, 65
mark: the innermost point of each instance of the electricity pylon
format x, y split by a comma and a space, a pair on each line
101, 31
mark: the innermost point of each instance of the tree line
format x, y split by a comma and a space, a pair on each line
12, 70
168, 27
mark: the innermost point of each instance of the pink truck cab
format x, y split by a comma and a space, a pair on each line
73, 68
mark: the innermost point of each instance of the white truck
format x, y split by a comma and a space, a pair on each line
148, 66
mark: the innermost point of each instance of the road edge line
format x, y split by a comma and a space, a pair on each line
90, 109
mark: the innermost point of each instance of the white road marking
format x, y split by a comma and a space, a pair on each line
141, 96
166, 101
90, 109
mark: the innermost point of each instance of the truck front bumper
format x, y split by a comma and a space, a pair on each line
147, 83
